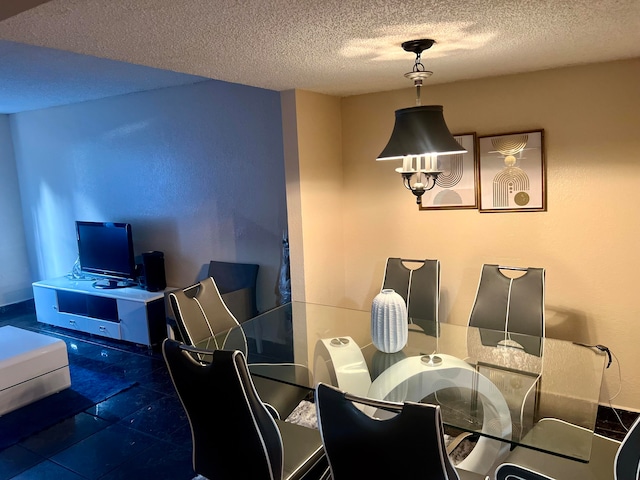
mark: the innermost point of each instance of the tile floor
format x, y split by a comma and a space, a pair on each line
141, 433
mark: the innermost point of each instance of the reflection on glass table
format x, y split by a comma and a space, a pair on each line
498, 387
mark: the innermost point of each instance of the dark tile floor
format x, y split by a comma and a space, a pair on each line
140, 433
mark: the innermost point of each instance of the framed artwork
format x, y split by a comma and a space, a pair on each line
512, 172
456, 186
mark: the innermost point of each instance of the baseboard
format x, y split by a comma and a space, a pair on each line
608, 423
25, 306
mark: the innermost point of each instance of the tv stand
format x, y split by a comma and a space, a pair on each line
110, 283
129, 313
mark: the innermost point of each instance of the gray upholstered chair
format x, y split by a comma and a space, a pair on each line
204, 320
609, 460
510, 304
201, 313
233, 433
410, 444
505, 306
420, 288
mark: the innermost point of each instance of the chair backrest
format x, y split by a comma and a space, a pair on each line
420, 288
237, 280
219, 390
510, 471
189, 317
408, 445
627, 462
200, 313
510, 304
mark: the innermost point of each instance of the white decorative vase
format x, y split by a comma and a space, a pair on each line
389, 323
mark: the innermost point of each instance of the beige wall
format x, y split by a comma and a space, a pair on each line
313, 174
587, 240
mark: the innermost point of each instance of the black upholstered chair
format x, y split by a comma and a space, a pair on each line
505, 306
420, 288
510, 304
609, 460
204, 320
237, 283
407, 444
234, 435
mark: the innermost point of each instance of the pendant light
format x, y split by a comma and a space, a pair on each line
420, 133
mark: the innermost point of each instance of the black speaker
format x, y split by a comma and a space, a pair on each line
152, 276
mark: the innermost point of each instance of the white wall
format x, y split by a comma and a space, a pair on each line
15, 281
197, 170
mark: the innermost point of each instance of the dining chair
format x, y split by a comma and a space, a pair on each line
237, 282
419, 287
233, 433
609, 460
204, 320
505, 303
409, 444
509, 310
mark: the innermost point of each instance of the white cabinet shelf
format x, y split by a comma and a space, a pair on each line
131, 314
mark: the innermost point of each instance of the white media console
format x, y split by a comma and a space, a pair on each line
131, 314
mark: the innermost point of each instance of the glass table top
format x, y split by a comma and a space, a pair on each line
495, 384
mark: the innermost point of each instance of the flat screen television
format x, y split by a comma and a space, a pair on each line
105, 250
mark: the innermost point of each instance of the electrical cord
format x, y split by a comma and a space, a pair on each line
626, 429
610, 357
602, 348
605, 349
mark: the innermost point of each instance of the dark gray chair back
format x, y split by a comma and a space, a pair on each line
510, 304
232, 277
419, 287
408, 445
513, 305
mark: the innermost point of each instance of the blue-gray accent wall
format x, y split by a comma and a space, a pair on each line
197, 170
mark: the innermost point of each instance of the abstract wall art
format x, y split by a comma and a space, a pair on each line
512, 172
456, 186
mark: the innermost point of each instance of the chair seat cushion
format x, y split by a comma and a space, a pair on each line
300, 443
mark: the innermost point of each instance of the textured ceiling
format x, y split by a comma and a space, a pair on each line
338, 47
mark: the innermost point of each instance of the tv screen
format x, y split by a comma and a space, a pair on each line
106, 249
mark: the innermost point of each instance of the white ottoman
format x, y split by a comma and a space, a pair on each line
32, 366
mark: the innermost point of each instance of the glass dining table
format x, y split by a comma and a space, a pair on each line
506, 389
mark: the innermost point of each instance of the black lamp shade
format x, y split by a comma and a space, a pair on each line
420, 131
